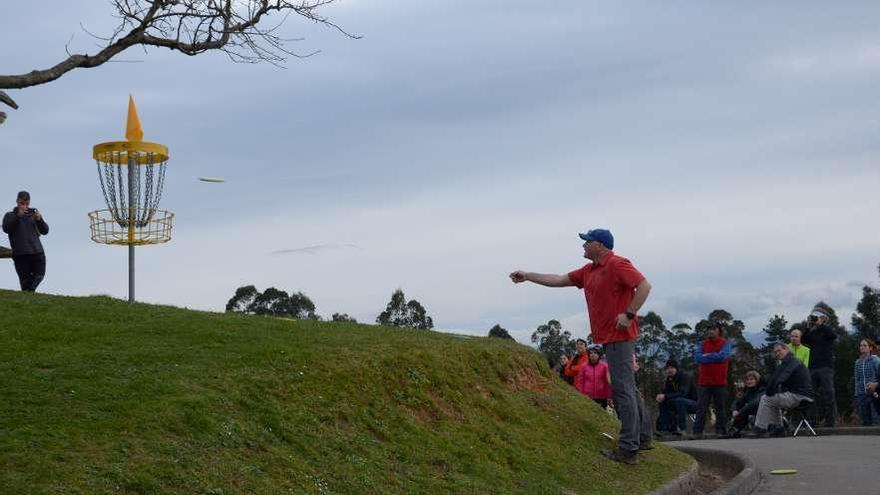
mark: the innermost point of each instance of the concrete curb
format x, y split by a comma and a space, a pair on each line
820, 430
745, 476
684, 484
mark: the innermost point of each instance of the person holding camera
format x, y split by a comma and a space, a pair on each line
820, 338
25, 225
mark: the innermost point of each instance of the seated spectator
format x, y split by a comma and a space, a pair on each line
594, 379
865, 368
874, 391
747, 404
677, 400
573, 366
786, 389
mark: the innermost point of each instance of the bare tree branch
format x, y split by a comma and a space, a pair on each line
7, 100
191, 27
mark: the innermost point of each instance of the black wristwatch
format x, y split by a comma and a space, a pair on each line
630, 315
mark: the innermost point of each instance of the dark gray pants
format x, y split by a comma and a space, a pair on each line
823, 387
31, 268
623, 390
717, 395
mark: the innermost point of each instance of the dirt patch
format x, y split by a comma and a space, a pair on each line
484, 394
708, 480
528, 379
438, 410
445, 409
542, 402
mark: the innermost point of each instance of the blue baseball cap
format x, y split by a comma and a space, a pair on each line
603, 236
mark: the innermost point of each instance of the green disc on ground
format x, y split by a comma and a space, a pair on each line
784, 471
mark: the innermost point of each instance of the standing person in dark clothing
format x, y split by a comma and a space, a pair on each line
645, 429
679, 398
615, 291
712, 355
25, 225
820, 337
786, 389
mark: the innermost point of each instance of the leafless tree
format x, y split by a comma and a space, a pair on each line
243, 29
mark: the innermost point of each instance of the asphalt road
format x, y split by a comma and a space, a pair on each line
827, 465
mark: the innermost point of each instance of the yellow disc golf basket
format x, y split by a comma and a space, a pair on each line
132, 175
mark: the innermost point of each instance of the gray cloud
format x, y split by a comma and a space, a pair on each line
735, 161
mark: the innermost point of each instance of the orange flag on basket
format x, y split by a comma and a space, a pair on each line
133, 129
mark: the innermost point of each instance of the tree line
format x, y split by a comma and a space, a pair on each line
274, 302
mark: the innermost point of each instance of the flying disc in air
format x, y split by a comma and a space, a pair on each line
215, 180
784, 471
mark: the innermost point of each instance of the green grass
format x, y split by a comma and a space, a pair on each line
98, 396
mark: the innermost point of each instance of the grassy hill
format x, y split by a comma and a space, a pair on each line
98, 396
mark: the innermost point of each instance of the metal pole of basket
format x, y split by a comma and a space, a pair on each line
132, 169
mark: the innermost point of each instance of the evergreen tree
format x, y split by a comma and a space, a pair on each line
680, 346
242, 300
553, 342
653, 342
271, 302
775, 332
342, 318
866, 319
301, 307
405, 314
499, 332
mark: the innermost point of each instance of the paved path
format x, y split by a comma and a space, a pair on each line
827, 465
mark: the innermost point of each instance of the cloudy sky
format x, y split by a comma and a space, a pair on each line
732, 148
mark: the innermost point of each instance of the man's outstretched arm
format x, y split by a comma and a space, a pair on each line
545, 279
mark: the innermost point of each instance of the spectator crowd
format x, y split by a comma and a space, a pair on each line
801, 385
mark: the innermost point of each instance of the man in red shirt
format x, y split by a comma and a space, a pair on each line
615, 291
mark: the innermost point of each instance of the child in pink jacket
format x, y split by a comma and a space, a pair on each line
594, 379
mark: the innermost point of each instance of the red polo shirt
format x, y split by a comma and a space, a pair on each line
608, 286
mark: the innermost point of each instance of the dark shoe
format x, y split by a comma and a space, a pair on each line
646, 445
731, 434
678, 433
757, 433
777, 431
619, 455
696, 436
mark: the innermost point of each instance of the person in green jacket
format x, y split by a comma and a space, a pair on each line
800, 351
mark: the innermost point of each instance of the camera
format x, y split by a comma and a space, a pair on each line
814, 318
